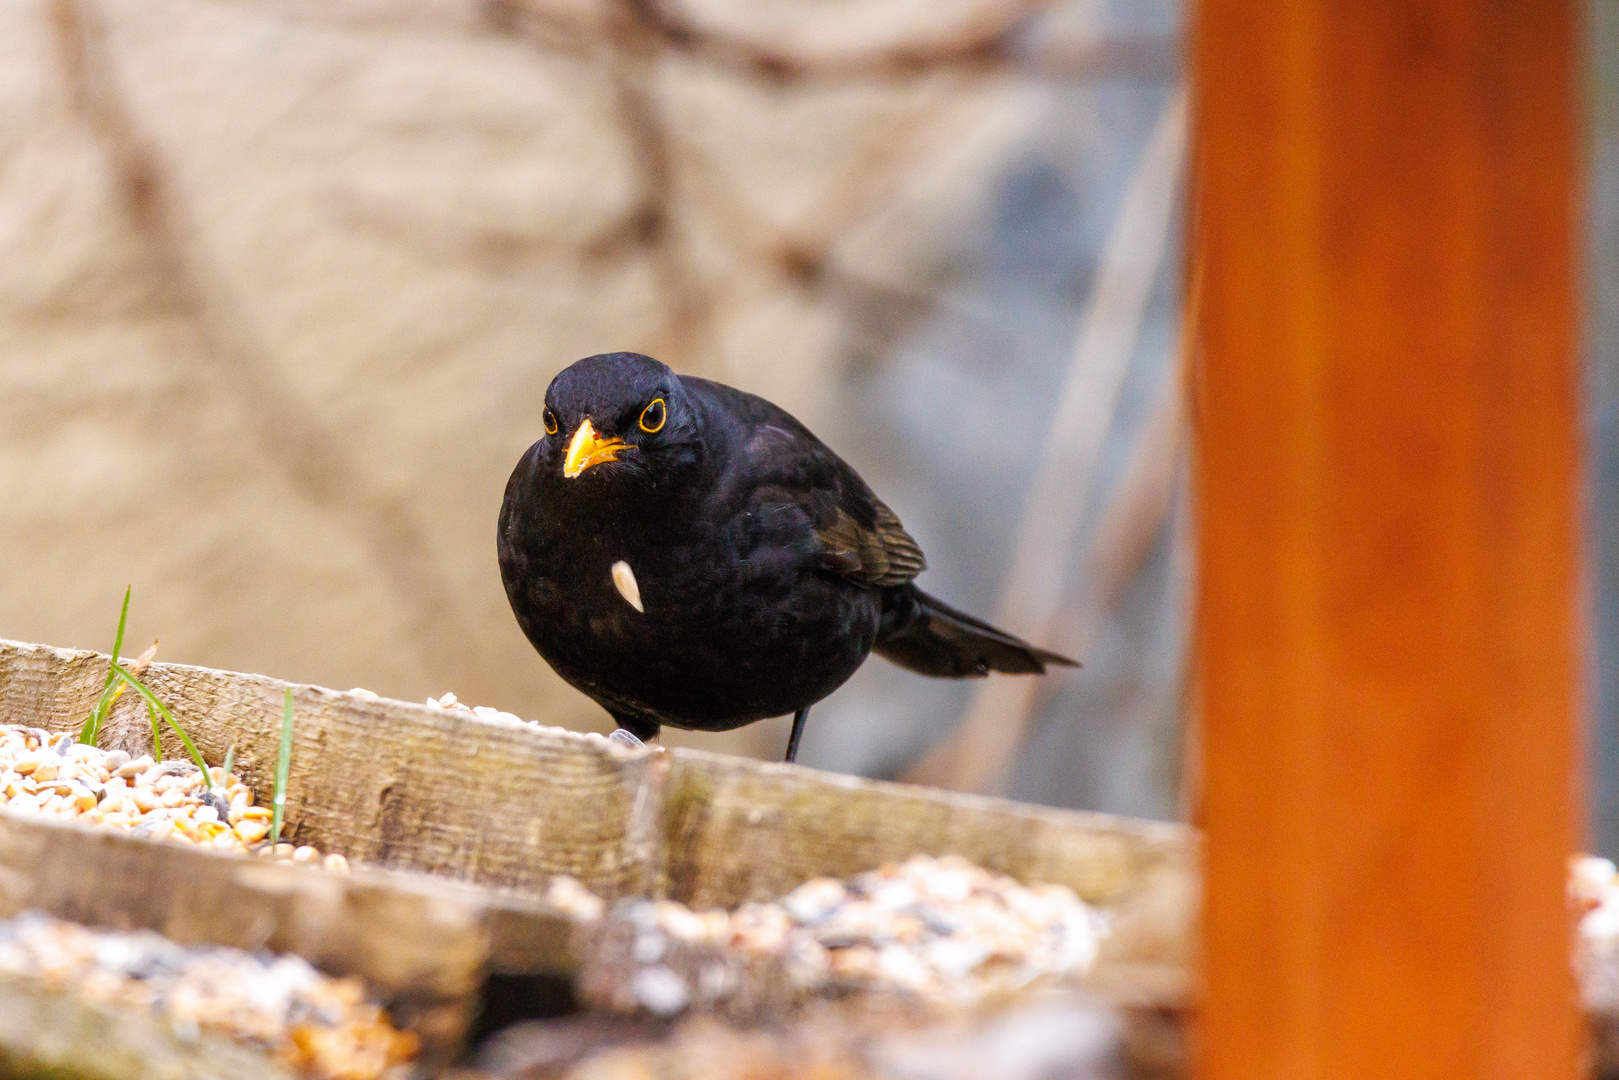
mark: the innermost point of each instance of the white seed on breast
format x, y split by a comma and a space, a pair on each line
624, 581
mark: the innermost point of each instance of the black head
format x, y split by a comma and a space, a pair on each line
616, 416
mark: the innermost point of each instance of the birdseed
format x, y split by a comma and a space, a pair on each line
55, 776
483, 712
1593, 887
938, 929
315, 1025
619, 739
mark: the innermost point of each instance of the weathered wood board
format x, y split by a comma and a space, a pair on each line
50, 1031
435, 792
384, 782
400, 930
1050, 1034
423, 943
738, 830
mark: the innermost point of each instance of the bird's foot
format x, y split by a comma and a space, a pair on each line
625, 738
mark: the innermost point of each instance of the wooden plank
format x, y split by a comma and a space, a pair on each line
51, 1031
421, 789
423, 943
740, 830
385, 782
413, 787
1048, 1035
1386, 627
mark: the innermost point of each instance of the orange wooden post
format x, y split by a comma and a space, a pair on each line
1386, 408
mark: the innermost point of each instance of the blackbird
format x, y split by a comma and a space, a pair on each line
689, 554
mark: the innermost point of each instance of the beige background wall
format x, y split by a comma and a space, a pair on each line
282, 284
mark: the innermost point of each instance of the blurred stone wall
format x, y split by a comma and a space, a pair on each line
282, 285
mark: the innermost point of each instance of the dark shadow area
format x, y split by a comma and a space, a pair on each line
510, 999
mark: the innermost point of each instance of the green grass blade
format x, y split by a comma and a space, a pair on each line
283, 765
92, 724
157, 732
230, 763
163, 710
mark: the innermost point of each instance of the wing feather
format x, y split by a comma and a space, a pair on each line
859, 537
883, 554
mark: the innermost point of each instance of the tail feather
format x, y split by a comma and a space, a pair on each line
928, 636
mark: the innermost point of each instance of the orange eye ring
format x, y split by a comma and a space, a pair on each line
550, 422
654, 416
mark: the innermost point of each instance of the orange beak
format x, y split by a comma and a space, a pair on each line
588, 449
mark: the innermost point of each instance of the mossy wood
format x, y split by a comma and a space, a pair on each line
437, 792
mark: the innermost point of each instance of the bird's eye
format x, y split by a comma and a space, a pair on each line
550, 422
653, 416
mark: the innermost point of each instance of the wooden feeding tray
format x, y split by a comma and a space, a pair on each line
454, 827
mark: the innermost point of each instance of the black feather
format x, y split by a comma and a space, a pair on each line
923, 634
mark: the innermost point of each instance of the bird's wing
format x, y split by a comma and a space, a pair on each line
856, 534
881, 553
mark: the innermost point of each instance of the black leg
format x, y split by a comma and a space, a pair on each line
798, 732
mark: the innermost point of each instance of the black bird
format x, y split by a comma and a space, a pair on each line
689, 554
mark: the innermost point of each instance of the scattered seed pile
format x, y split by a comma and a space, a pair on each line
319, 1026
1593, 885
618, 737
483, 712
41, 773
1593, 891
940, 929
